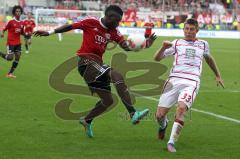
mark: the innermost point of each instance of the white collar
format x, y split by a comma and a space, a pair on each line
102, 24
16, 19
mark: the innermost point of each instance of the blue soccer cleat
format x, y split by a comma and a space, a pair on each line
87, 126
137, 116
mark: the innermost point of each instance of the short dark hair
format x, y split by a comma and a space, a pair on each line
114, 8
15, 8
192, 21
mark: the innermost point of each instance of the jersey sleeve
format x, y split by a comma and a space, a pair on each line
118, 37
171, 50
82, 24
206, 48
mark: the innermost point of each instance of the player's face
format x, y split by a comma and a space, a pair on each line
112, 19
190, 31
18, 13
29, 15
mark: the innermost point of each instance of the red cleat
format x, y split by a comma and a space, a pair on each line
161, 132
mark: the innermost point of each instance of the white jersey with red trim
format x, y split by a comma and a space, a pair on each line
188, 58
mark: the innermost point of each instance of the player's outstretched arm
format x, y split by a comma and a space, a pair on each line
2, 33
5, 29
159, 55
212, 64
61, 29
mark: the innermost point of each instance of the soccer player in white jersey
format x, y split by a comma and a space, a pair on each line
184, 79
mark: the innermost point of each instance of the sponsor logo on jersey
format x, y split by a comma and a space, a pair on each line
100, 40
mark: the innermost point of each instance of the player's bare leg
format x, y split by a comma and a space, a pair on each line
8, 57
105, 102
28, 42
177, 126
161, 116
26, 46
122, 90
14, 65
100, 107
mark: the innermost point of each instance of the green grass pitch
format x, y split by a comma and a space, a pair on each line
30, 129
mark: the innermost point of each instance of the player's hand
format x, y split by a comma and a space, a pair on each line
125, 45
167, 44
150, 40
40, 33
219, 81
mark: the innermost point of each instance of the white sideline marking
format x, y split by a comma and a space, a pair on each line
216, 115
204, 112
227, 91
203, 91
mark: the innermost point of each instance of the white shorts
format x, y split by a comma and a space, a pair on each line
178, 89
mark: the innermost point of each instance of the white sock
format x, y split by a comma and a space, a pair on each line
175, 132
59, 36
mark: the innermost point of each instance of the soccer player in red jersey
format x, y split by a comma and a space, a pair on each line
15, 29
28, 25
97, 33
148, 25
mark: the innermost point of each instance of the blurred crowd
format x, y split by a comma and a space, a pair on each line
167, 5
211, 14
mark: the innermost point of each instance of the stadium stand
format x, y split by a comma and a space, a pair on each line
211, 14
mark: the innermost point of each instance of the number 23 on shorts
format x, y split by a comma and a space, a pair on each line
186, 97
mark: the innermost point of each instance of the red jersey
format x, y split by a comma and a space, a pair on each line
148, 26
29, 25
95, 37
14, 28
